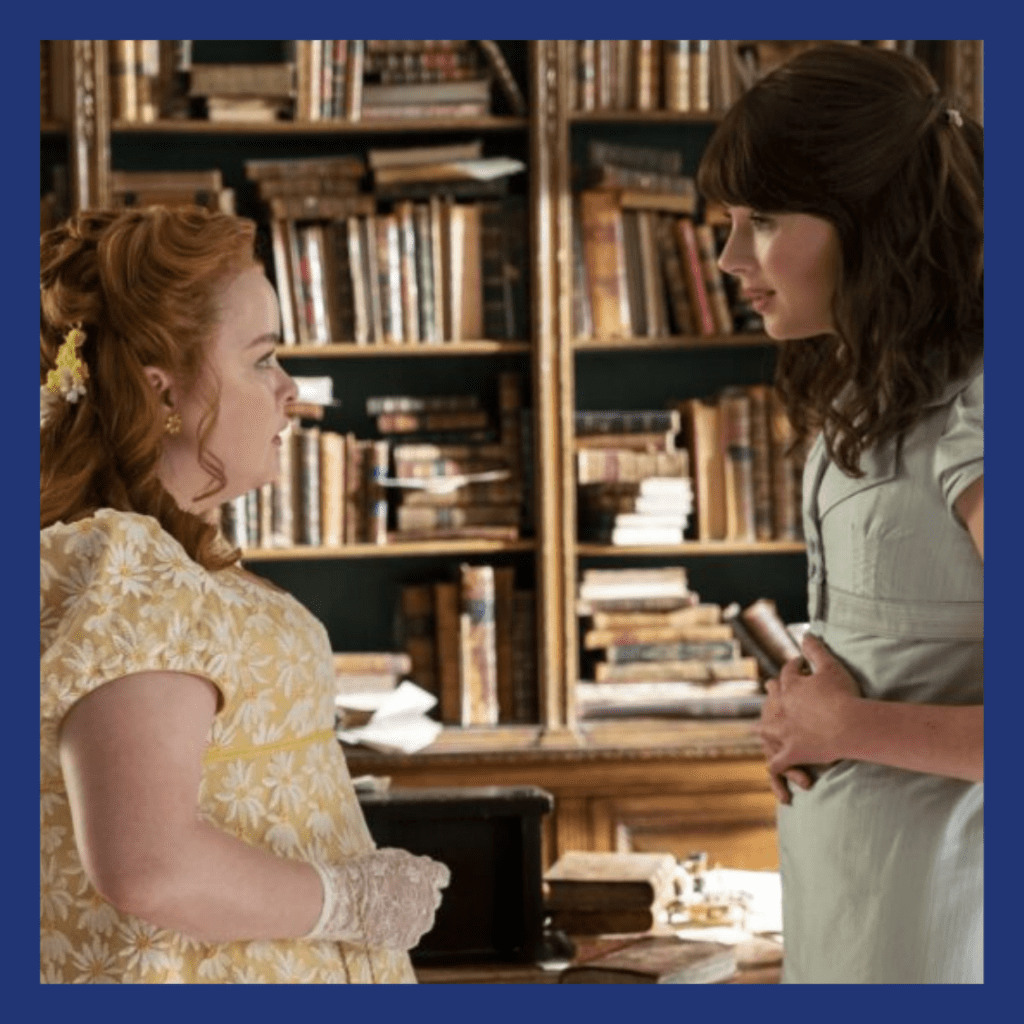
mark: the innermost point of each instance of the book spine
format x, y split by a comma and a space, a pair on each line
582, 319
677, 74
311, 239
634, 273
692, 670
614, 421
446, 604
354, 80
360, 298
524, 657
700, 301
763, 620
338, 80
282, 526
426, 517
709, 650
378, 458
265, 537
786, 512
604, 253
340, 295
425, 274
406, 423
379, 404
713, 278
282, 278
391, 328
696, 634
438, 231
394, 663
478, 645
298, 275
738, 453
504, 610
675, 276
307, 485
332, 489
700, 74
355, 481
372, 276
410, 286
646, 74
586, 73
761, 466
416, 604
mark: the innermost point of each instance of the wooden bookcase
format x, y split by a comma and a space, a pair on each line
643, 784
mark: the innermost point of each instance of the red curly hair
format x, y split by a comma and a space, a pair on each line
144, 286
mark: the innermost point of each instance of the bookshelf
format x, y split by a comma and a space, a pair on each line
646, 783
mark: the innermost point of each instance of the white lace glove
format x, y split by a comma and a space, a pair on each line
386, 898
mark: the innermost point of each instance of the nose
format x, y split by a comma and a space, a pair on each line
727, 260
289, 389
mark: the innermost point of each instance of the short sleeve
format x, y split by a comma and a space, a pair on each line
119, 595
959, 454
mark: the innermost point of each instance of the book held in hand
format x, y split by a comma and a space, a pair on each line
657, 960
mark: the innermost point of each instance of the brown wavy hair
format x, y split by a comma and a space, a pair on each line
864, 139
144, 286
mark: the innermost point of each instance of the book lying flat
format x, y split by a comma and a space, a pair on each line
657, 960
599, 880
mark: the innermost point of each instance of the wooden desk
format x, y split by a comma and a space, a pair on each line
530, 974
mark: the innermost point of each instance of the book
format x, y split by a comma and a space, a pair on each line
447, 645
749, 644
413, 518
378, 159
674, 276
269, 79
307, 486
409, 285
696, 285
504, 612
621, 421
669, 699
417, 628
283, 528
606, 922
690, 632
694, 669
669, 581
634, 273
738, 463
761, 460
411, 422
765, 624
647, 441
641, 158
503, 74
404, 95
713, 280
598, 880
786, 472
673, 650
604, 256
604, 465
478, 668
677, 74
689, 615
524, 657
396, 663
703, 438
376, 470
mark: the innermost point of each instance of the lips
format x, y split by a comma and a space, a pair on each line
758, 299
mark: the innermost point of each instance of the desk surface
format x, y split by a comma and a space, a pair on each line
530, 974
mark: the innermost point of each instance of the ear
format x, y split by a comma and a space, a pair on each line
160, 381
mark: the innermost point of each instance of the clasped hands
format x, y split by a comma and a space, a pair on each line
804, 717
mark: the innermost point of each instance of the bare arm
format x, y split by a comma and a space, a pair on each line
819, 718
131, 754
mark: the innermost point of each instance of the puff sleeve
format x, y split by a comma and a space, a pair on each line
119, 595
959, 453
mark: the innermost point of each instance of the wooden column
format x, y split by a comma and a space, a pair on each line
90, 125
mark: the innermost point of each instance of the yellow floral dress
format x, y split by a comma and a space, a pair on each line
119, 595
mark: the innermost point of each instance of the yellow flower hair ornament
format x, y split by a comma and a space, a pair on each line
68, 379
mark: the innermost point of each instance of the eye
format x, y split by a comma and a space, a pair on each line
265, 362
761, 221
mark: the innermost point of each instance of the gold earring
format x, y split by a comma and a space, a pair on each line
173, 424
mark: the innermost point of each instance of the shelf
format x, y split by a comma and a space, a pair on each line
349, 349
620, 739
644, 116
695, 547
52, 128
694, 341
397, 549
396, 126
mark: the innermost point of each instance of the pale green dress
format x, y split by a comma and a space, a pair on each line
882, 868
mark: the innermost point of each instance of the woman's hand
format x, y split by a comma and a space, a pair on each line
804, 717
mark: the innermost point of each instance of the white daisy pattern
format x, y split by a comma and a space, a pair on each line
118, 595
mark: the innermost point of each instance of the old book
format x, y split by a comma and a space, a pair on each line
582, 318
299, 277
606, 922
591, 605
355, 489
377, 95
673, 650
478, 667
301, 186
605, 256
749, 644
641, 158
646, 441
311, 241
123, 94
361, 323
786, 471
620, 421
697, 289
265, 510
377, 464
700, 75
669, 699
306, 167
282, 280
734, 424
648, 74
761, 459
318, 206
378, 404
332, 488
446, 638
371, 270
674, 275
713, 279
408, 422
404, 212
666, 581
604, 881
694, 669
411, 518
407, 156
639, 183
493, 533
665, 202
425, 277
438, 245
622, 464
698, 633
269, 79
702, 431
689, 615
764, 622
389, 277
338, 276
524, 657
676, 63
471, 321
306, 468
283, 529
586, 74
397, 663
488, 492
416, 608
504, 608
354, 80
634, 273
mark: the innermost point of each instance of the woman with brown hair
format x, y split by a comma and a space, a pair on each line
198, 823
855, 192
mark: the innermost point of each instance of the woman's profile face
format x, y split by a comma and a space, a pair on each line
788, 265
251, 394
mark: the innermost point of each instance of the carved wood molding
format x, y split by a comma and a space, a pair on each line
90, 124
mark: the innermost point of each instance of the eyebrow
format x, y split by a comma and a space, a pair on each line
263, 339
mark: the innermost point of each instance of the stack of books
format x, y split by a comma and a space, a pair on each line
244, 92
643, 266
652, 648
610, 893
457, 473
471, 640
171, 188
633, 484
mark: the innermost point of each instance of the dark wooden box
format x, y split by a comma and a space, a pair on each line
490, 838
